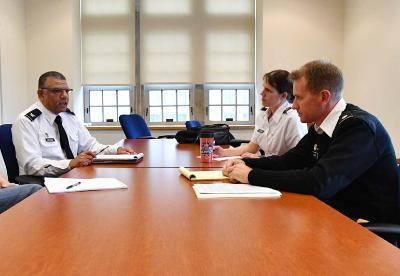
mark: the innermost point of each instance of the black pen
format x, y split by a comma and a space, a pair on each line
73, 185
102, 150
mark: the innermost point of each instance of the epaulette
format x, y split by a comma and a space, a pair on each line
32, 115
344, 116
69, 112
287, 109
263, 109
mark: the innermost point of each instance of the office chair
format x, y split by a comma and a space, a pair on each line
8, 151
135, 127
387, 231
192, 123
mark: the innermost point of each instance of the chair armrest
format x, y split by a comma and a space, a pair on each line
237, 142
383, 228
29, 179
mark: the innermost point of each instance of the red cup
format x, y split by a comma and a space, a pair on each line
206, 146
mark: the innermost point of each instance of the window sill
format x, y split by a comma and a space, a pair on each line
162, 127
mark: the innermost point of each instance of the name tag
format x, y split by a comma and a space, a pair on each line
260, 130
49, 140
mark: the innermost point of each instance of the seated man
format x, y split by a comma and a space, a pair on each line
346, 159
11, 194
49, 140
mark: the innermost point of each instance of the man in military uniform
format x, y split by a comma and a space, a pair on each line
346, 159
49, 139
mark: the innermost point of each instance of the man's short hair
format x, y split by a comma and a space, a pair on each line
51, 74
320, 75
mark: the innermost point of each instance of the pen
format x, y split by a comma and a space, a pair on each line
102, 150
73, 185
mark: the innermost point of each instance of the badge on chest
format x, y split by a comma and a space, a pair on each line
49, 139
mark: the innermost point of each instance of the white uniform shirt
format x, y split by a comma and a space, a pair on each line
37, 141
330, 122
282, 132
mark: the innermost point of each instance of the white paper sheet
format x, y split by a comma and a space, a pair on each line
59, 185
233, 190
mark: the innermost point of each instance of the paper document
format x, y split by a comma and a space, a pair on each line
66, 185
202, 175
233, 190
118, 158
227, 158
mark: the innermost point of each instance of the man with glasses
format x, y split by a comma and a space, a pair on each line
49, 139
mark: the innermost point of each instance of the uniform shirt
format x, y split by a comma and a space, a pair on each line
37, 142
282, 132
352, 168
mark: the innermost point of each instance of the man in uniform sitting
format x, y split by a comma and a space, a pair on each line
346, 159
49, 140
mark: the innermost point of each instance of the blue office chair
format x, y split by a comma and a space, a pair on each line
192, 124
8, 152
135, 127
387, 231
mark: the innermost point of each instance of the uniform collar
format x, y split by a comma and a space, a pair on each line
278, 113
329, 124
50, 116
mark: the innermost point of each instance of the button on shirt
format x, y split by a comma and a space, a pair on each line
37, 142
282, 132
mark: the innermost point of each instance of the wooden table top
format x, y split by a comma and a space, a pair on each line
157, 226
167, 153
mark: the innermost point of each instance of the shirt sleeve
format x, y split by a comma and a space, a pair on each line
352, 151
28, 151
294, 131
88, 143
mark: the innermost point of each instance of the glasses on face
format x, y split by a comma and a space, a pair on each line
58, 91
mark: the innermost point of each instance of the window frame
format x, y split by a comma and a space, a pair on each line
86, 101
166, 86
230, 86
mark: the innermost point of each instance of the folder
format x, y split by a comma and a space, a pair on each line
118, 158
202, 175
233, 190
68, 185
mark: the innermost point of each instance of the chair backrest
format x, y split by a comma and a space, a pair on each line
8, 151
192, 123
134, 126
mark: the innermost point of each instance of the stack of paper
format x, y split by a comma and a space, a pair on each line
202, 175
118, 158
224, 158
233, 190
66, 185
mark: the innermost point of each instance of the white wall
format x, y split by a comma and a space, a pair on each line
296, 32
53, 39
372, 60
12, 62
13, 58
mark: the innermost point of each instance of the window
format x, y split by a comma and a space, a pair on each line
106, 103
170, 103
229, 103
186, 59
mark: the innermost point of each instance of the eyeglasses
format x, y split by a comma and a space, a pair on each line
58, 91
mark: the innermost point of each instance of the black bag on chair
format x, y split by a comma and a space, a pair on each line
221, 132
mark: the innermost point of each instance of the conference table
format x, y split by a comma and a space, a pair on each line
158, 227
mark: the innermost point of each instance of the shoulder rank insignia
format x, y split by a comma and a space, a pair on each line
263, 108
287, 109
69, 111
32, 115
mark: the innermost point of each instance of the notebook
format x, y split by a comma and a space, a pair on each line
67, 185
118, 158
202, 175
233, 190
